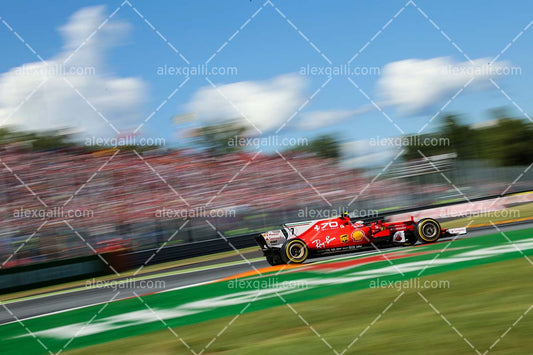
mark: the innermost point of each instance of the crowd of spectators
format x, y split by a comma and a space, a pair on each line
99, 192
101, 195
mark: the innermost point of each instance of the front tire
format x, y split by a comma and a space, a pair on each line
428, 230
294, 251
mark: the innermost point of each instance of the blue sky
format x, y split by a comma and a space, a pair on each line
268, 48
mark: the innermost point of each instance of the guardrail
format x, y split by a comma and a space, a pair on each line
189, 250
53, 272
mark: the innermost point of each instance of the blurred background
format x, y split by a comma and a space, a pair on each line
117, 135
138, 199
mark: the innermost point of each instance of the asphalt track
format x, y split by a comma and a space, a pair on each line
18, 310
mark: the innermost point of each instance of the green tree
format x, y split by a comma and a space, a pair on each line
221, 138
509, 142
46, 140
505, 141
324, 146
462, 138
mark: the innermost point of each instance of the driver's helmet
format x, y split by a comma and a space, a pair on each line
359, 223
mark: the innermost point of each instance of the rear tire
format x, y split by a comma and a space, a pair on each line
428, 230
294, 251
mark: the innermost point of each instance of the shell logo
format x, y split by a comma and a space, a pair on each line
357, 235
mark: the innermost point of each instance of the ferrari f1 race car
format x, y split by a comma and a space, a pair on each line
295, 242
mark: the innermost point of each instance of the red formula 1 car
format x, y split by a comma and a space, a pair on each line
295, 242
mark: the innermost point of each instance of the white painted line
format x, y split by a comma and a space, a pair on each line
99, 303
148, 277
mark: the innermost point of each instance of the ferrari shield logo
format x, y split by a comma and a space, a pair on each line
344, 238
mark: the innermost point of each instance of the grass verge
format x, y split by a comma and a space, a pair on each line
480, 305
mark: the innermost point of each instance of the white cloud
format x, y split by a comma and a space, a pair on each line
267, 104
414, 85
319, 119
56, 105
363, 154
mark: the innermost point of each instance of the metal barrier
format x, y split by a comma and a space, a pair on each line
189, 250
